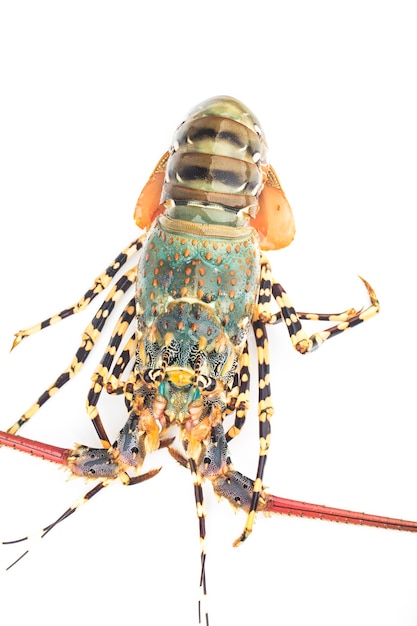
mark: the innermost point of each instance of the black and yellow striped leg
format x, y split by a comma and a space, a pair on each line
266, 287
100, 284
265, 411
270, 288
241, 405
263, 312
127, 354
117, 386
343, 316
232, 395
89, 338
199, 501
263, 305
215, 464
346, 320
102, 372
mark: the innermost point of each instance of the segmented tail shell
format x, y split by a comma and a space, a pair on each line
218, 157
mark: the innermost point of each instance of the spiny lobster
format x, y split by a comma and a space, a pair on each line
212, 205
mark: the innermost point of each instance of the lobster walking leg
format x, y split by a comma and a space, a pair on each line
263, 312
99, 284
300, 340
269, 288
89, 338
102, 372
241, 404
113, 382
265, 412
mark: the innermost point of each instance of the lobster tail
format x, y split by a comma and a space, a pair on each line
218, 158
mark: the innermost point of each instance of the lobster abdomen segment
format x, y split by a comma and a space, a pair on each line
218, 157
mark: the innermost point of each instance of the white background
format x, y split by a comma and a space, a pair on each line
91, 93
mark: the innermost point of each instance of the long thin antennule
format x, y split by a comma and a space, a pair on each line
202, 602
35, 538
198, 494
